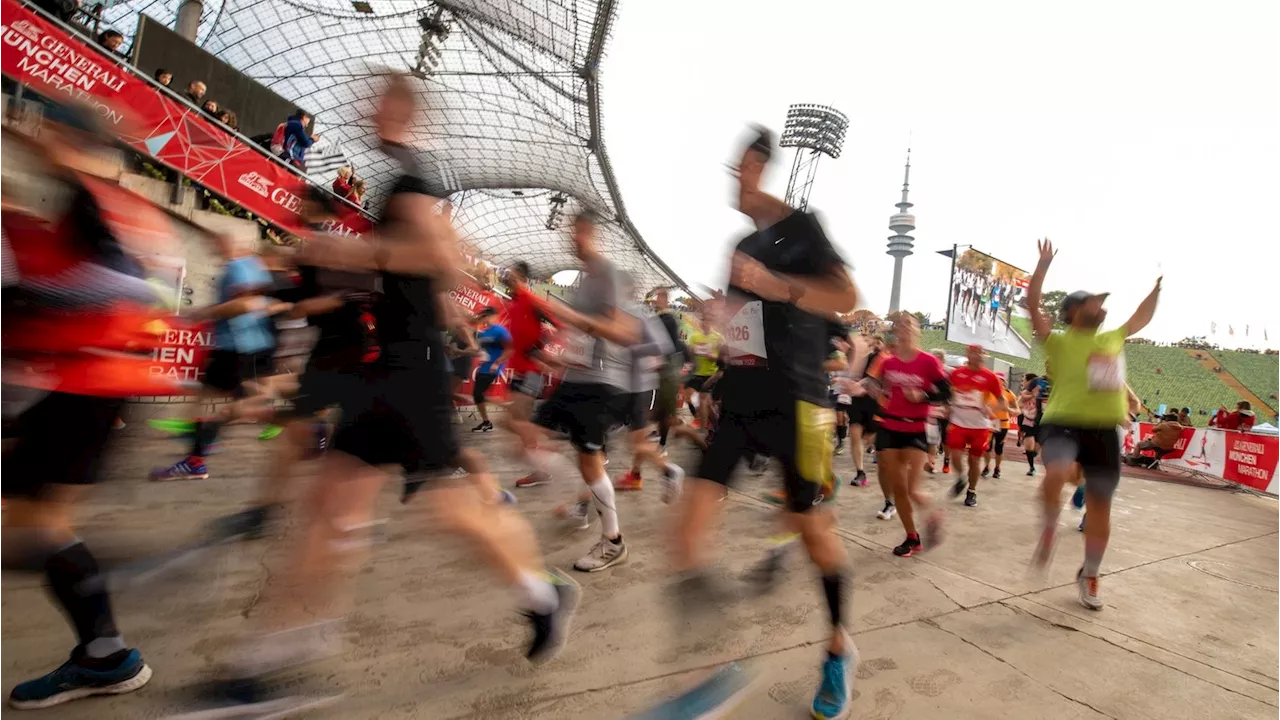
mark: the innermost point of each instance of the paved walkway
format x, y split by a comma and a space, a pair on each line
1189, 631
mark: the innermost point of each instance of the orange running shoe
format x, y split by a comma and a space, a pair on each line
629, 482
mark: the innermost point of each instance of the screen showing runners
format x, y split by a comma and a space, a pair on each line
988, 305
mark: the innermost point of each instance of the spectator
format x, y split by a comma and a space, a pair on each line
111, 40
1184, 417
297, 138
210, 108
164, 77
195, 92
1162, 441
357, 192
1242, 419
342, 183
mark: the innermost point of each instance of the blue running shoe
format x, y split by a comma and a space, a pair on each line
506, 498
73, 680
832, 700
1077, 500
189, 469
714, 697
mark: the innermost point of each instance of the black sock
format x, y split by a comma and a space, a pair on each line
88, 609
662, 435
833, 588
206, 434
842, 431
1031, 459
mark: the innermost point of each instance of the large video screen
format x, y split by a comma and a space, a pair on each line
988, 305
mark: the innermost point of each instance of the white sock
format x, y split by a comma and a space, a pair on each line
602, 493
539, 595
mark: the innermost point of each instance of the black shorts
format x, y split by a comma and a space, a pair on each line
481, 386
640, 409
402, 416
61, 440
1096, 449
943, 424
1030, 431
227, 371
863, 412
585, 411
529, 383
796, 432
697, 382
997, 440
322, 389
897, 440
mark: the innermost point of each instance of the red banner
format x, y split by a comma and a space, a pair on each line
60, 66
183, 350
472, 300
1246, 458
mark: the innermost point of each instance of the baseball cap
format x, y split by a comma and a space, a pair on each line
1078, 298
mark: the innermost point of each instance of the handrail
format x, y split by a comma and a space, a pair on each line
132, 69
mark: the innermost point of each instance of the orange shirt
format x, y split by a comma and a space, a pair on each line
1002, 416
971, 392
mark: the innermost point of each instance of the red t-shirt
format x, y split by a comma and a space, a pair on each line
525, 315
971, 392
922, 372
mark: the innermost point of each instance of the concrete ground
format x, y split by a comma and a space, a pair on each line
1189, 631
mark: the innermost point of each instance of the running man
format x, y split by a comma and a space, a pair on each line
597, 335
1088, 403
1001, 423
527, 316
1035, 390
401, 417
785, 279
495, 348
909, 381
668, 400
863, 407
705, 346
974, 390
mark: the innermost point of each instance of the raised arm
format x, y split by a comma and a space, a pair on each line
1146, 310
1042, 324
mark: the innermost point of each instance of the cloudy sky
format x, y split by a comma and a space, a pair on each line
1141, 136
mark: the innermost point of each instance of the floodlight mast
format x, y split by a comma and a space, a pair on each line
814, 131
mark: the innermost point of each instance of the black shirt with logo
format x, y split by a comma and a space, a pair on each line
795, 341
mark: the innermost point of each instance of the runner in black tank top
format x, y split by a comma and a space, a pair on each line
401, 416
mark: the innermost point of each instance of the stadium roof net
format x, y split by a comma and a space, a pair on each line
512, 128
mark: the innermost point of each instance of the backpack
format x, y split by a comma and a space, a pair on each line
277, 140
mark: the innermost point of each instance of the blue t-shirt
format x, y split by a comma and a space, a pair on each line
492, 340
251, 332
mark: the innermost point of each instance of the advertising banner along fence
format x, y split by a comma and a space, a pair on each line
57, 64
1247, 459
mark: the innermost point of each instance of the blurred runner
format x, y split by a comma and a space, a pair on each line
1000, 426
668, 400
1089, 402
785, 278
495, 349
527, 317
974, 391
704, 344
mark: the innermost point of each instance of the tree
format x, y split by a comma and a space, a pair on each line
923, 318
1051, 306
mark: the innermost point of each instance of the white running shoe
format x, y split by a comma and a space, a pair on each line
672, 483
888, 512
1088, 589
604, 555
578, 514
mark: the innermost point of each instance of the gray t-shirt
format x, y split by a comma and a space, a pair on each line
648, 356
595, 361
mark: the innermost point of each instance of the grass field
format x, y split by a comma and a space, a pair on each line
1259, 373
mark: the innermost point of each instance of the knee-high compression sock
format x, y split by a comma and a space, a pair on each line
662, 434
1031, 459
842, 432
602, 495
88, 609
833, 589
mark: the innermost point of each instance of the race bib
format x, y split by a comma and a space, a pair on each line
1106, 373
967, 399
744, 336
579, 347
701, 349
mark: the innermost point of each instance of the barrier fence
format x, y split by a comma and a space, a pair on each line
1243, 458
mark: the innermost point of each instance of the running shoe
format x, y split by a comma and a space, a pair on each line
986, 472
506, 497
551, 631
484, 426
959, 486
1077, 498
172, 425
840, 447
946, 468
933, 530
970, 499
832, 701
192, 468
996, 473
930, 469
672, 483
909, 547
320, 441
246, 698
578, 513
249, 524
604, 555
270, 431
714, 697
118, 424
1031, 472
887, 512
629, 482
1088, 589
533, 480
859, 479
75, 679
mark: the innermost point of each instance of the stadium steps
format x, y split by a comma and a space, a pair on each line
1209, 362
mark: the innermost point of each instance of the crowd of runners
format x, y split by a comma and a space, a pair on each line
768, 369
